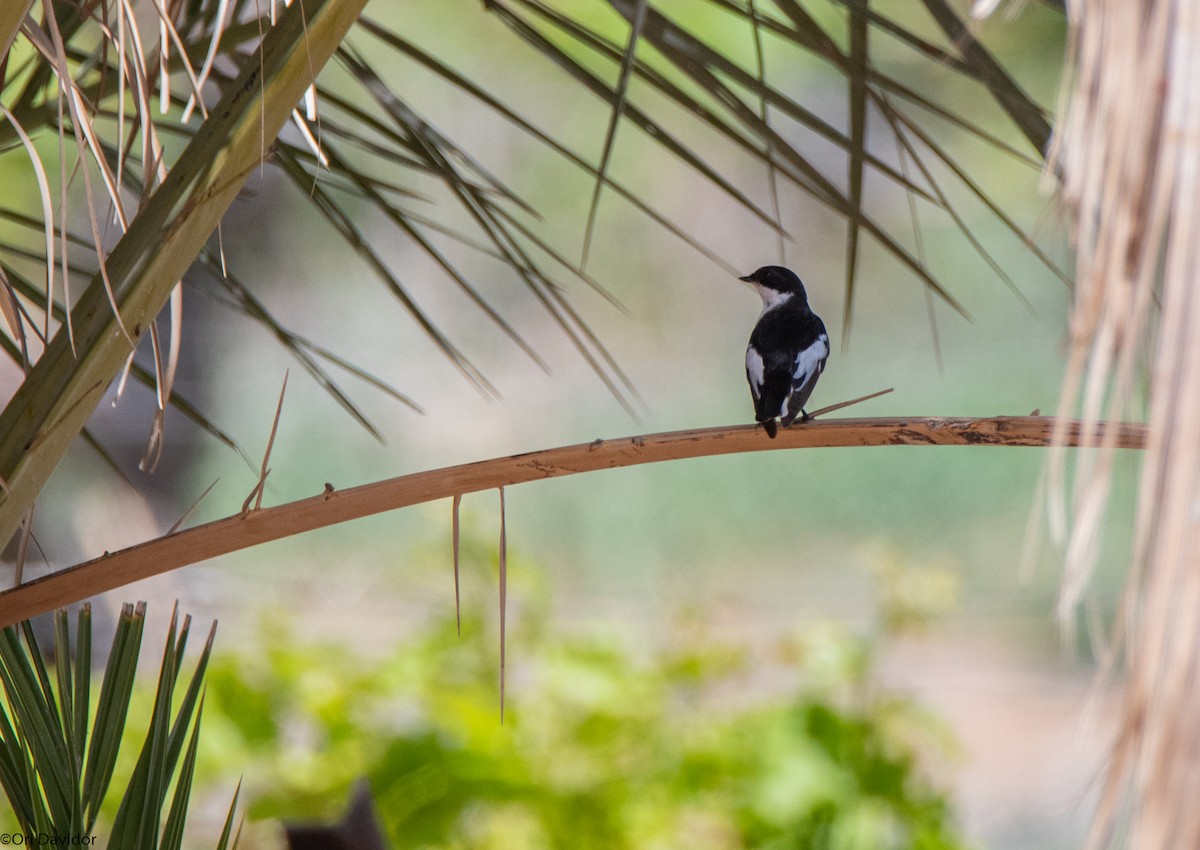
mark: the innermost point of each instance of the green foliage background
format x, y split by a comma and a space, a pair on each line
606, 743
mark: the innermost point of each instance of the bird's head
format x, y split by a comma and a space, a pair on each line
775, 284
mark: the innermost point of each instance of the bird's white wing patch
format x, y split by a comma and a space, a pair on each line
809, 360
754, 370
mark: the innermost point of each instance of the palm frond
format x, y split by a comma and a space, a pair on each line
242, 299
427, 142
475, 91
343, 224
100, 78
57, 761
138, 822
1028, 116
25, 288
641, 119
161, 241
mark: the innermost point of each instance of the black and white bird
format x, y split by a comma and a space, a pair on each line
788, 349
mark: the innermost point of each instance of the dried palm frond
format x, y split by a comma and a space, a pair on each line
1130, 156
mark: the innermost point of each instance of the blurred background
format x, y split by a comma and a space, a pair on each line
694, 601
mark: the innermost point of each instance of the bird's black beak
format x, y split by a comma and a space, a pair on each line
748, 278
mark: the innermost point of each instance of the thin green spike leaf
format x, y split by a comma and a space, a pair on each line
454, 535
112, 709
227, 830
26, 671
919, 248
503, 557
536, 241
420, 127
358, 372
36, 725
858, 136
963, 227
907, 37
192, 704
360, 117
136, 823
19, 778
172, 837
610, 136
64, 677
38, 664
186, 627
605, 355
556, 304
173, 831
334, 129
83, 686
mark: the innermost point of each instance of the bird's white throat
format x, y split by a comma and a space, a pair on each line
771, 298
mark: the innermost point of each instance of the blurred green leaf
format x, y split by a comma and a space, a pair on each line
605, 744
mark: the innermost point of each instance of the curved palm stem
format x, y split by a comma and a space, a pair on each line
252, 528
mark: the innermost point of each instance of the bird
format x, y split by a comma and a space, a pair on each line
787, 351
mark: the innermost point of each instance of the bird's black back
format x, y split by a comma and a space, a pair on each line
779, 337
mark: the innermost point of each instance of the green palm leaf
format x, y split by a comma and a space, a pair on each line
53, 778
